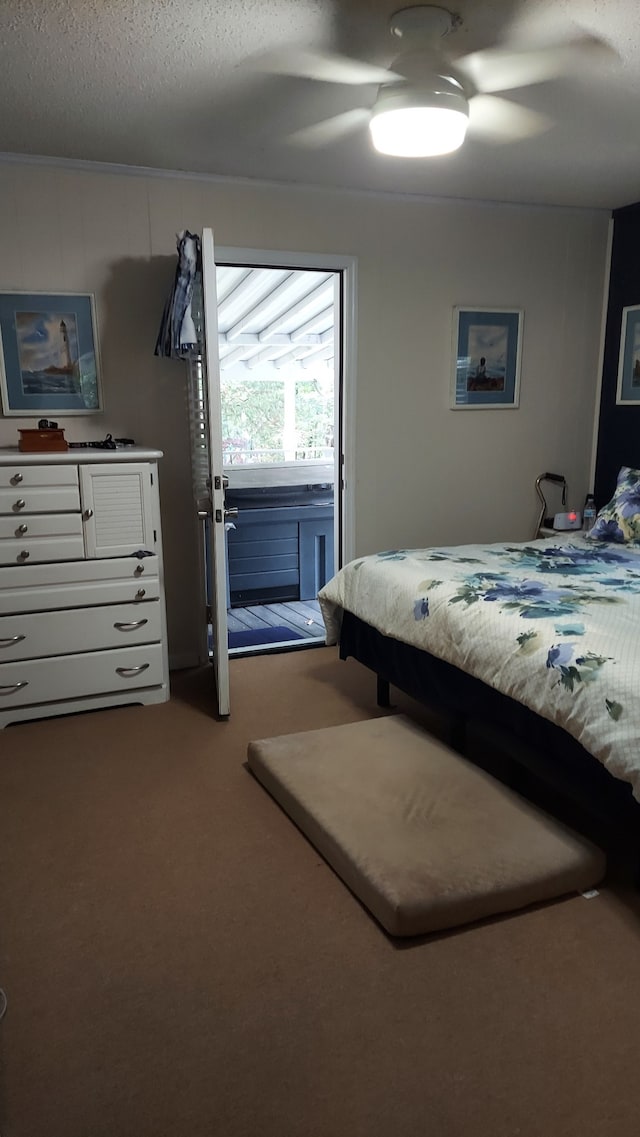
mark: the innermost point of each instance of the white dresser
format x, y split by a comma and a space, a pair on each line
82, 614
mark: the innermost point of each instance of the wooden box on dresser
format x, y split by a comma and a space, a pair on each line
82, 615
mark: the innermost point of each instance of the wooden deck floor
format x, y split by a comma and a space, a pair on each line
301, 617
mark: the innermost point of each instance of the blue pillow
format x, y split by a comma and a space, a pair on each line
619, 520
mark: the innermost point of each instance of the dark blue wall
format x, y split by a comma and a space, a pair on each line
619, 426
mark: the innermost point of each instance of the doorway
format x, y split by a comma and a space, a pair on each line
283, 383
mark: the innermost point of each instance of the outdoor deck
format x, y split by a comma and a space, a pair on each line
301, 618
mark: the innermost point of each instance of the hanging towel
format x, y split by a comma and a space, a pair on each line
177, 335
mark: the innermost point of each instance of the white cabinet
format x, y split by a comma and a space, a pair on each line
82, 615
117, 509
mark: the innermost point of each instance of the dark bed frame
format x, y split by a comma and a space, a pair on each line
528, 752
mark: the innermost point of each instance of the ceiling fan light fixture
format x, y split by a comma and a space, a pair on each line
419, 123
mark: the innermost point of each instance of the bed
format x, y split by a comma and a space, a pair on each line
539, 640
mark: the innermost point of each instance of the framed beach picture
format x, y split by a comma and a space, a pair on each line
486, 358
629, 361
49, 360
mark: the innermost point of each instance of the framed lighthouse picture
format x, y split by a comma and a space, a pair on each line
49, 359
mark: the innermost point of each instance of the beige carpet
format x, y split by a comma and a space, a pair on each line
180, 962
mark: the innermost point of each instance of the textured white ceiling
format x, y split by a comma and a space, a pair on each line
165, 84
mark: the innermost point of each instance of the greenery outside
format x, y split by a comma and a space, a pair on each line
253, 419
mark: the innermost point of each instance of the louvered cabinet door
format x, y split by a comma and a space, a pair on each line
118, 509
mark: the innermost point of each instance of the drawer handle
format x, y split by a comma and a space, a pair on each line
12, 640
16, 479
24, 555
8, 690
88, 513
127, 672
139, 569
140, 593
22, 529
20, 503
131, 626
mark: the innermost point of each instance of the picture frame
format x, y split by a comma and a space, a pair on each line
487, 347
49, 357
628, 389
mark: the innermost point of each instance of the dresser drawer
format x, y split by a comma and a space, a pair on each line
22, 475
41, 525
77, 584
45, 499
26, 551
76, 676
35, 635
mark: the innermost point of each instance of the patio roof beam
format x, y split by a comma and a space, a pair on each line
271, 369
238, 355
294, 356
262, 307
324, 353
229, 281
270, 354
252, 339
313, 324
246, 294
325, 288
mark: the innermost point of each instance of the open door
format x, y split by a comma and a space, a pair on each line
317, 296
215, 482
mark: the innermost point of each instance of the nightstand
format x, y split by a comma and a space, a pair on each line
561, 534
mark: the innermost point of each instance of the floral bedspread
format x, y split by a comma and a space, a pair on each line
555, 624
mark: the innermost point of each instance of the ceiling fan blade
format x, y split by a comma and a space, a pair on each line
322, 66
330, 129
504, 69
499, 120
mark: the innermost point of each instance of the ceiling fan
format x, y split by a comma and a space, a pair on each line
428, 97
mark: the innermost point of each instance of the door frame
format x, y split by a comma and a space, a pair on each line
347, 267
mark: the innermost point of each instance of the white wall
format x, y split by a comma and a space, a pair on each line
424, 474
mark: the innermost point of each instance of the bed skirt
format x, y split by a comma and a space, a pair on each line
531, 754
